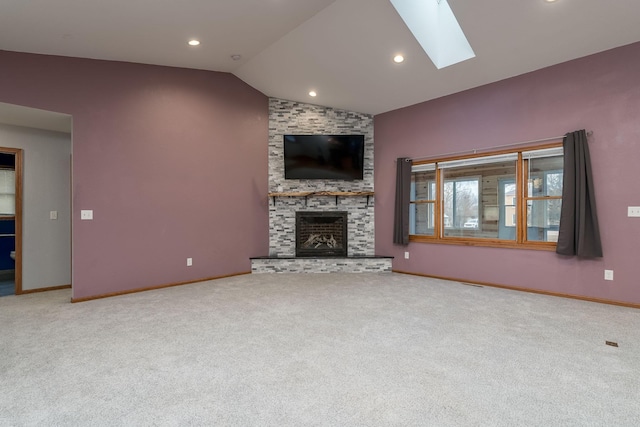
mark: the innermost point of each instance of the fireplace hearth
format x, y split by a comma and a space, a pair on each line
321, 234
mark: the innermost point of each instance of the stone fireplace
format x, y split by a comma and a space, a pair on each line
353, 238
321, 234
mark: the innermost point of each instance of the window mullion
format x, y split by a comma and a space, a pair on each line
521, 199
439, 206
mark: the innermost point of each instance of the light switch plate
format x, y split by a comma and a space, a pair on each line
86, 214
608, 275
633, 211
53, 215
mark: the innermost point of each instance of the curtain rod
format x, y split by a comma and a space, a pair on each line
514, 144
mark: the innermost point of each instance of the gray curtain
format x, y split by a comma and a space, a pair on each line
579, 234
403, 194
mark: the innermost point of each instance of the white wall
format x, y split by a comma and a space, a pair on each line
46, 243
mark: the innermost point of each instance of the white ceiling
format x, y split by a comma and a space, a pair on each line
340, 48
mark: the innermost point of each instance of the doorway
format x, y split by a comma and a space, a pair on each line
40, 142
10, 221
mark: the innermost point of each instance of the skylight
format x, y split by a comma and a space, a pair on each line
436, 28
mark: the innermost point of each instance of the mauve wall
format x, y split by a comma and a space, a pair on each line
599, 93
172, 161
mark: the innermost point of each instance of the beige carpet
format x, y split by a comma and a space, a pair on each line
318, 349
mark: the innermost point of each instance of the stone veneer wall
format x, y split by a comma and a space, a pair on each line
321, 265
289, 117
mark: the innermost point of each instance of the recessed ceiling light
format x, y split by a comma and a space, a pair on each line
236, 57
550, 1
313, 93
194, 42
398, 59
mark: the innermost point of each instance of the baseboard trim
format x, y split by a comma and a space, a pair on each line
529, 290
51, 288
152, 288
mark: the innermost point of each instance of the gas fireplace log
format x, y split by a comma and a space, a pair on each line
311, 240
322, 240
317, 240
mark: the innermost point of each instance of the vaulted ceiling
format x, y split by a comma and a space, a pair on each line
342, 49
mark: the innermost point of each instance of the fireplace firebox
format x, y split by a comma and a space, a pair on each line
321, 234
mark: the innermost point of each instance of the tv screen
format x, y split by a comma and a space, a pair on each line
338, 157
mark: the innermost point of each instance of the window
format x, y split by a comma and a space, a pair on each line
7, 192
423, 199
482, 200
544, 193
460, 197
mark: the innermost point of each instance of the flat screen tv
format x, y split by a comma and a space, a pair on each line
339, 157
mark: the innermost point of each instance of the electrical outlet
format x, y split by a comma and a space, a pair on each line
189, 262
406, 255
608, 275
633, 211
86, 214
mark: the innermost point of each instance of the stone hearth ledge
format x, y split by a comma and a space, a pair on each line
351, 264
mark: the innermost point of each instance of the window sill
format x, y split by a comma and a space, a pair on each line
491, 243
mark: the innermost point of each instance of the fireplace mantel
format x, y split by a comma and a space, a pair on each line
307, 194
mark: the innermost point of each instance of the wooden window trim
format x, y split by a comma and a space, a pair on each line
522, 197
